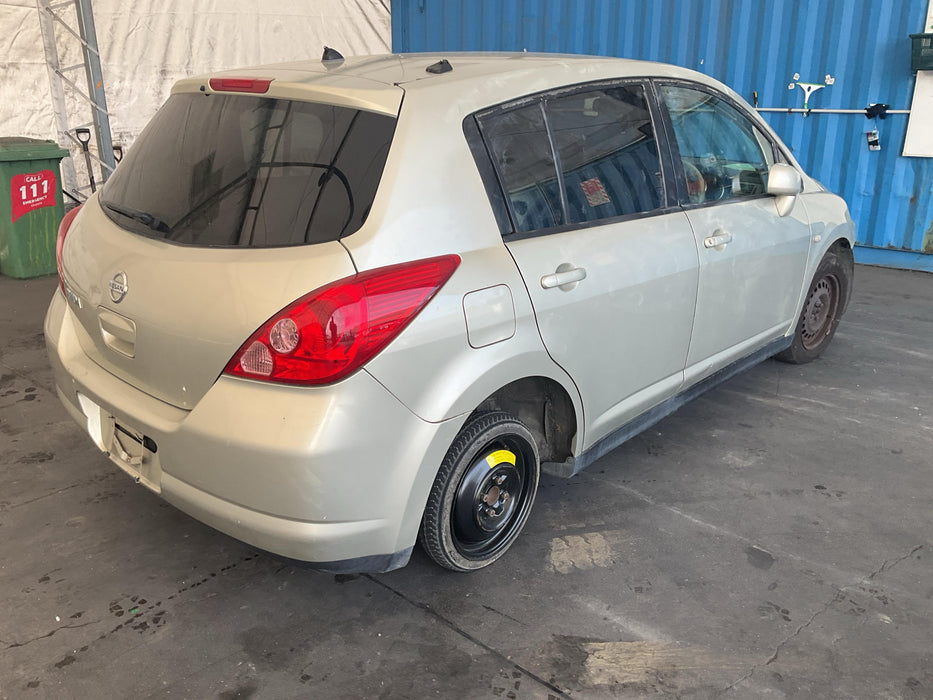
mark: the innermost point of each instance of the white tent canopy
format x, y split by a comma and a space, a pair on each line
146, 45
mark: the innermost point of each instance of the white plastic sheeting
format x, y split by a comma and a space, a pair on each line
146, 45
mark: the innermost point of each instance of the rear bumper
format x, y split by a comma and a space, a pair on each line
337, 476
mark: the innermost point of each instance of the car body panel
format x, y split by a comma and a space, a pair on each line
830, 222
434, 370
635, 305
280, 459
744, 282
423, 211
192, 308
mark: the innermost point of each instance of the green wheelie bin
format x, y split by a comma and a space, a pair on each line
31, 205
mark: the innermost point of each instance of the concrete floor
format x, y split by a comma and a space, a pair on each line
772, 539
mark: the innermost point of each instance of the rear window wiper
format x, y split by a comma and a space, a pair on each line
143, 217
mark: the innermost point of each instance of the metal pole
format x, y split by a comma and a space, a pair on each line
797, 110
47, 26
95, 83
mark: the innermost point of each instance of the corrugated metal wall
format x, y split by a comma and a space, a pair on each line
752, 45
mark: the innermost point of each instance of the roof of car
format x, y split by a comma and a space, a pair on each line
403, 69
376, 82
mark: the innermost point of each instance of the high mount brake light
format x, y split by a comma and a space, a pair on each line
336, 329
60, 243
257, 85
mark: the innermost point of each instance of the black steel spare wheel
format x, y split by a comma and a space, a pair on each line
483, 493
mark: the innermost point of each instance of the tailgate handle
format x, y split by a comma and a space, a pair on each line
118, 332
718, 240
566, 277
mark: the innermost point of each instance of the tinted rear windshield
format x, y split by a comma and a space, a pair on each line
220, 170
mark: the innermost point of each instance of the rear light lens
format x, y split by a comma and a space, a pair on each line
60, 243
284, 336
256, 85
336, 329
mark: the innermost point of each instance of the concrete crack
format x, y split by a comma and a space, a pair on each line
838, 596
891, 563
109, 474
505, 615
469, 637
14, 645
56, 492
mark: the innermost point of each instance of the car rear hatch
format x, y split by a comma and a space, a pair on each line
227, 208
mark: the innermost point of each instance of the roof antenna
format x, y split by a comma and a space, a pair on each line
442, 66
331, 54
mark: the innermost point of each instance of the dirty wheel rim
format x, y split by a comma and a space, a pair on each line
819, 312
492, 498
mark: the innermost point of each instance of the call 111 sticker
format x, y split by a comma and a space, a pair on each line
31, 191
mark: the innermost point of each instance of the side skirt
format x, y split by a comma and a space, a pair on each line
576, 465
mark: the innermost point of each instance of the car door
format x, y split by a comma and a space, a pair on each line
607, 256
752, 260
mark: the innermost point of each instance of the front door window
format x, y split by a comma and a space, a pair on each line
723, 154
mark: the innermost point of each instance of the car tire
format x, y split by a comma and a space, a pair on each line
483, 493
826, 301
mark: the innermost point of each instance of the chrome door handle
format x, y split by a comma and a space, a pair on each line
718, 240
565, 277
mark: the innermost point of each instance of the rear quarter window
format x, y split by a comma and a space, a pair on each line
236, 171
521, 149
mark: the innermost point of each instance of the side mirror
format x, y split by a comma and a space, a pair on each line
784, 180
784, 183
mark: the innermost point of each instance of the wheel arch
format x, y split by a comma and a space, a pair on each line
832, 229
546, 407
843, 248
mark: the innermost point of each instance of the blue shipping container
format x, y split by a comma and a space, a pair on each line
753, 46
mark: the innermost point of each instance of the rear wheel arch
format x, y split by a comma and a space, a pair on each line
545, 407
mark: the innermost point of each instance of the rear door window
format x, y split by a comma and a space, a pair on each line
608, 155
220, 170
576, 157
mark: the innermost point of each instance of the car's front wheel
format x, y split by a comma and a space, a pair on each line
483, 493
826, 301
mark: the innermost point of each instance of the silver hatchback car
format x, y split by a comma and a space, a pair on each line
332, 308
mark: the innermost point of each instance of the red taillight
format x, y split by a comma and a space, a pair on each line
60, 243
336, 329
258, 85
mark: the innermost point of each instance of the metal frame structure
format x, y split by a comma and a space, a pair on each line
52, 17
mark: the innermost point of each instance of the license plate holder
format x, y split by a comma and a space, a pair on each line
127, 447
